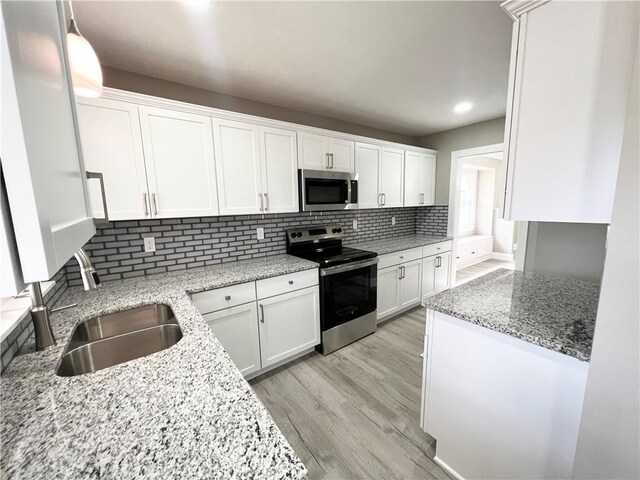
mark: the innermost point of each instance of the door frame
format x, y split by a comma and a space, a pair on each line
457, 158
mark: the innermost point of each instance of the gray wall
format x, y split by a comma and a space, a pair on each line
476, 135
134, 82
571, 250
609, 438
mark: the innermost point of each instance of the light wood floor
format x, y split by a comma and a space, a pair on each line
479, 269
355, 413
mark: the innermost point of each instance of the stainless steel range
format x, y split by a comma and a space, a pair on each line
348, 284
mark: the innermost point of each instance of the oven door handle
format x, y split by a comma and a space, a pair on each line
348, 267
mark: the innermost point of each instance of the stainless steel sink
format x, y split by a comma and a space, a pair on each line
108, 340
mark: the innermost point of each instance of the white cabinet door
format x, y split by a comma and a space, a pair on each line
112, 145
289, 324
388, 291
368, 167
279, 169
237, 147
563, 167
313, 151
391, 176
443, 267
237, 329
342, 154
178, 151
41, 154
428, 179
429, 276
410, 293
412, 172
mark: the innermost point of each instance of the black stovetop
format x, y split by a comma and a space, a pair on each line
334, 255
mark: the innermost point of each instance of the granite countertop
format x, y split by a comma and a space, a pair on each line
396, 244
555, 313
184, 412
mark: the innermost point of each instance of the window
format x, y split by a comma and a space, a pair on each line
467, 216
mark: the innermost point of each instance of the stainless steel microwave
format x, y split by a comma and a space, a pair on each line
322, 190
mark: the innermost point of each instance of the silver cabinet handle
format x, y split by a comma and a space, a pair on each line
154, 204
384, 199
328, 161
227, 297
261, 202
379, 199
144, 204
98, 175
438, 261
332, 165
266, 202
261, 313
400, 270
422, 199
404, 272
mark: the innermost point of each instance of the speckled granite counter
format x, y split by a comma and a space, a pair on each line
554, 313
396, 244
184, 412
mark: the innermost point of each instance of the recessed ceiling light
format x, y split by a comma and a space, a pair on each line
463, 107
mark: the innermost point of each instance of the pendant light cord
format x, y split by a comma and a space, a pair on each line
73, 28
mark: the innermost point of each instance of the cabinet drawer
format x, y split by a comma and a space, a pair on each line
213, 300
396, 258
436, 248
286, 283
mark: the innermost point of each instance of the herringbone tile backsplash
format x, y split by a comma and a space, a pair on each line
117, 248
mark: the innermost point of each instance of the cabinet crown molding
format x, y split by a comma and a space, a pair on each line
148, 100
516, 8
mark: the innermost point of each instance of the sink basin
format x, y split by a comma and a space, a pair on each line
108, 340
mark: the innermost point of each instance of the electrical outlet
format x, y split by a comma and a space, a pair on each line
393, 221
260, 233
149, 244
355, 223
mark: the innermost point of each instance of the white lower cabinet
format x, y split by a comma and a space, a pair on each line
237, 329
436, 274
289, 324
264, 323
398, 288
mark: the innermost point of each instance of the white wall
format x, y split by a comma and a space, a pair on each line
485, 201
475, 135
572, 250
609, 439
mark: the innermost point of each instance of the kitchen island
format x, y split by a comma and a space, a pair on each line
505, 369
183, 412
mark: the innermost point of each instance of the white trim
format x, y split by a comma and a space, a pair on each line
507, 257
14, 311
148, 100
516, 8
447, 468
457, 156
282, 362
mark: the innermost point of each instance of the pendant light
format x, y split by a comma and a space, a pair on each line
85, 67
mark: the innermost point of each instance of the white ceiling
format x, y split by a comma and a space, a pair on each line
397, 66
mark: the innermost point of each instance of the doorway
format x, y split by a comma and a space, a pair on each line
483, 241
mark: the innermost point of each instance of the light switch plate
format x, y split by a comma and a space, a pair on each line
355, 223
260, 233
149, 244
393, 221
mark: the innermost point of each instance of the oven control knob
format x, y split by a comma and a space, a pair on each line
339, 230
293, 235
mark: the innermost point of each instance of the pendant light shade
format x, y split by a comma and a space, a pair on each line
85, 67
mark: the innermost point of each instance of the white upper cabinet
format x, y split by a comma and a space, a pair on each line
380, 176
571, 65
279, 170
256, 168
41, 155
237, 147
178, 149
419, 179
391, 176
341, 153
112, 145
368, 168
318, 152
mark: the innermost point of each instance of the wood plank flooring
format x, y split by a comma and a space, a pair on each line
355, 414
482, 268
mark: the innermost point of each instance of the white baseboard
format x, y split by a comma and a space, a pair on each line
448, 469
509, 257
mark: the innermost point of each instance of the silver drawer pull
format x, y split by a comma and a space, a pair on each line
261, 313
290, 282
227, 297
401, 257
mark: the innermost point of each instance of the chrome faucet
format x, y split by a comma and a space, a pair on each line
40, 313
